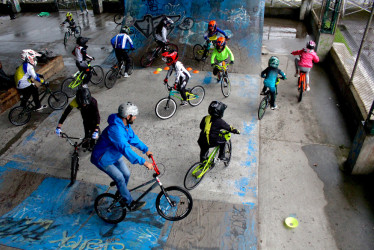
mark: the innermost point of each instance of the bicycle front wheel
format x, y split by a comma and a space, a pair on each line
19, 116
301, 90
172, 47
165, 108
118, 18
193, 178
97, 74
196, 96
67, 87
110, 78
147, 59
262, 107
226, 86
74, 168
198, 52
228, 151
57, 100
174, 203
109, 209
77, 32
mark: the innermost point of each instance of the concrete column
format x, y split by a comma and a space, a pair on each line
324, 43
305, 8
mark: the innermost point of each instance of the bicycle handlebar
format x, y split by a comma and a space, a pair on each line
154, 165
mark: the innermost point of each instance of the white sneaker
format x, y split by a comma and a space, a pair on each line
87, 11
126, 75
184, 103
275, 107
308, 88
81, 13
41, 107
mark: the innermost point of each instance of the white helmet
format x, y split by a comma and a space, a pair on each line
126, 109
29, 56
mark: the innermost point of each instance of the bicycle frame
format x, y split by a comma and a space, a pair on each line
176, 94
79, 76
45, 92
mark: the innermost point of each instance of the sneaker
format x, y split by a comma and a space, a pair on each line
262, 93
184, 103
87, 11
296, 74
275, 107
81, 13
308, 88
126, 75
218, 79
133, 206
41, 107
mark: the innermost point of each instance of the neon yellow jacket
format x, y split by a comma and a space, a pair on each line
221, 56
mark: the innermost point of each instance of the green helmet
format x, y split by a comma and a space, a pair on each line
274, 62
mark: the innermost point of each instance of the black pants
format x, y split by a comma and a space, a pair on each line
122, 56
162, 45
89, 129
182, 87
83, 67
204, 150
27, 92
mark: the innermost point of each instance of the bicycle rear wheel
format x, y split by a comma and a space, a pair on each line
66, 87
74, 168
198, 52
109, 209
57, 100
110, 78
97, 74
147, 59
191, 179
301, 90
197, 97
66, 37
19, 116
174, 203
77, 32
228, 151
165, 108
131, 66
262, 107
226, 86
118, 18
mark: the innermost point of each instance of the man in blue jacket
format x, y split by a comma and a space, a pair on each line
114, 143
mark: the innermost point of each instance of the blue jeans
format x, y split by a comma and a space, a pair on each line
120, 173
80, 2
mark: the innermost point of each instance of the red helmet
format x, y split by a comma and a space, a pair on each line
221, 41
170, 57
212, 26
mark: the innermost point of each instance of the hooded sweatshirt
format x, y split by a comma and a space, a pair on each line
307, 57
115, 142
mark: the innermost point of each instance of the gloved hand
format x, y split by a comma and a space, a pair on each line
232, 62
175, 85
236, 131
95, 135
58, 131
165, 80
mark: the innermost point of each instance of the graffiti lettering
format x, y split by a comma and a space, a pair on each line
148, 24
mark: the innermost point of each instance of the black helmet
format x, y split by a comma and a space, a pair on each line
125, 29
83, 96
81, 41
217, 109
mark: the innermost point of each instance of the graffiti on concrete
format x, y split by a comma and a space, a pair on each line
148, 24
152, 5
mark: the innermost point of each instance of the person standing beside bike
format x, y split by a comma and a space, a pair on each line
212, 32
23, 76
70, 20
80, 52
181, 74
90, 115
161, 31
211, 126
221, 53
120, 44
305, 63
271, 74
115, 142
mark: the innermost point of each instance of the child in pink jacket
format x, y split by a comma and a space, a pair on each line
305, 63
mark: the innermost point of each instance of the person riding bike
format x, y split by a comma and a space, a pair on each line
181, 74
271, 74
161, 32
23, 76
221, 53
305, 63
90, 115
211, 126
114, 143
80, 52
70, 20
211, 34
120, 44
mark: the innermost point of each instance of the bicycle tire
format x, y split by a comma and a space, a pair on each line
74, 168
113, 216
66, 89
57, 100
228, 151
78, 31
171, 47
226, 86
118, 18
166, 108
19, 116
131, 66
190, 179
110, 78
198, 91
301, 90
181, 203
198, 52
97, 75
262, 107
147, 60
66, 37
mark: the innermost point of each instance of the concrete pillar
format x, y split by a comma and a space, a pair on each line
305, 8
324, 43
97, 6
